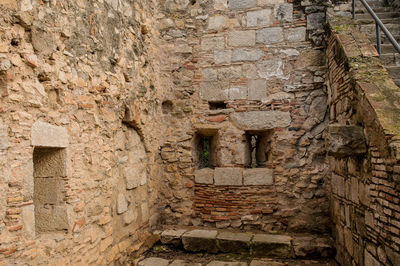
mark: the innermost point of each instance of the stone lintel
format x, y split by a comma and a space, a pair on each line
47, 135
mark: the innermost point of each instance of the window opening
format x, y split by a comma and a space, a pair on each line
205, 148
217, 105
259, 148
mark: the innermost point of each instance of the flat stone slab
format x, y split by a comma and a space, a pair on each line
200, 240
274, 246
265, 263
172, 236
227, 263
313, 247
153, 262
230, 242
184, 263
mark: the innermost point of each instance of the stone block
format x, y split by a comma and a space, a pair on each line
259, 18
284, 12
228, 176
274, 246
246, 54
200, 240
266, 263
135, 175
46, 135
51, 218
213, 43
238, 93
315, 21
295, 34
172, 236
222, 56
242, 4
184, 263
204, 176
269, 35
242, 38
28, 219
261, 120
214, 91
129, 216
270, 68
258, 177
220, 4
122, 203
48, 190
217, 22
230, 242
226, 263
153, 262
345, 140
257, 89
313, 247
3, 136
9, 3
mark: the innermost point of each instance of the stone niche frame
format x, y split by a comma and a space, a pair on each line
260, 141
49, 213
211, 134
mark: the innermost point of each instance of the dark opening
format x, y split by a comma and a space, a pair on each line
217, 105
167, 107
205, 149
259, 148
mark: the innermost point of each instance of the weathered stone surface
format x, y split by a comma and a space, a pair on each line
184, 263
241, 4
200, 240
172, 236
315, 21
214, 92
231, 242
3, 136
226, 263
122, 203
284, 12
222, 56
261, 120
270, 68
228, 176
242, 38
275, 246
257, 89
258, 176
345, 140
217, 22
246, 54
313, 247
295, 34
46, 135
213, 43
259, 18
204, 176
153, 262
269, 35
369, 260
265, 263
238, 93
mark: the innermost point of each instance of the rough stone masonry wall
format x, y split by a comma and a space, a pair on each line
264, 60
78, 128
363, 144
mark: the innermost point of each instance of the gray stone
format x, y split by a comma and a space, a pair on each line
176, 5
257, 89
3, 136
274, 246
246, 54
238, 93
200, 240
46, 135
258, 176
212, 43
241, 4
315, 21
172, 236
231, 242
122, 204
295, 34
184, 263
269, 35
228, 176
226, 263
242, 38
313, 247
204, 176
284, 12
270, 68
5, 64
217, 22
259, 18
261, 120
214, 91
222, 56
345, 140
153, 262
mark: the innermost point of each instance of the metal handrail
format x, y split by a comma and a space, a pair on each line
378, 25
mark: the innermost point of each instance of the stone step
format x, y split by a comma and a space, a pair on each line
193, 261
392, 59
394, 71
384, 20
397, 82
258, 244
384, 15
376, 10
370, 29
372, 4
384, 39
387, 49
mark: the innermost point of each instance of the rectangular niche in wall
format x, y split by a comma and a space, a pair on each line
49, 172
259, 148
205, 144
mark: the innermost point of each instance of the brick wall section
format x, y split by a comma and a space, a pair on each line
365, 196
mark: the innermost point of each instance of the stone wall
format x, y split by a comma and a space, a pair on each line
236, 69
79, 100
363, 144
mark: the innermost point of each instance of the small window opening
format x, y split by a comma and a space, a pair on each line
205, 149
167, 107
49, 172
217, 105
259, 148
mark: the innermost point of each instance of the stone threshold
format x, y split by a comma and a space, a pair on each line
280, 246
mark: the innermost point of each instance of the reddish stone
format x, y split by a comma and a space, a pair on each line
217, 118
15, 228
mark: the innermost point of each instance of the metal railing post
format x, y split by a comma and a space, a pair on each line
378, 38
354, 9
